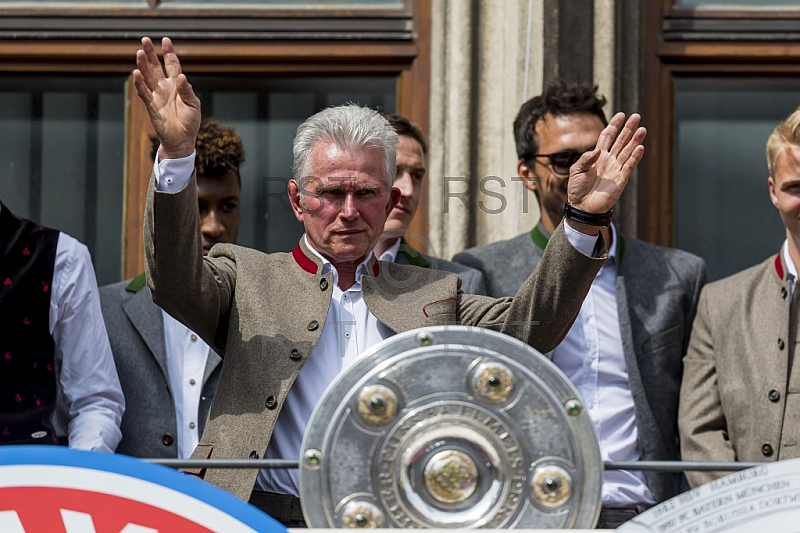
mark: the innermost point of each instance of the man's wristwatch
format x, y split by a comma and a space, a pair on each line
584, 217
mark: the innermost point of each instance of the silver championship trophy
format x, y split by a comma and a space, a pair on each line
451, 427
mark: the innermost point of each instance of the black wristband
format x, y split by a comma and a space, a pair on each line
584, 217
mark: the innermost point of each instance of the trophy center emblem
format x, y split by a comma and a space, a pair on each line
451, 476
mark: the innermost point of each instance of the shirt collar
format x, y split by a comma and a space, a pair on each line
327, 266
790, 266
390, 255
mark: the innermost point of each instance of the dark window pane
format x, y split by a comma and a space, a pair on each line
726, 3
291, 3
61, 151
722, 208
266, 114
79, 2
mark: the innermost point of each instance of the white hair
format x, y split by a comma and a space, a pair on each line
350, 127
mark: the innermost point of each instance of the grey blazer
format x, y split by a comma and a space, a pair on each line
657, 293
471, 279
740, 399
136, 331
265, 313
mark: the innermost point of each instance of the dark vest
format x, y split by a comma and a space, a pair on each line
27, 350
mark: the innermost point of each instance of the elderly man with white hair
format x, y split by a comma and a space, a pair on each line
287, 323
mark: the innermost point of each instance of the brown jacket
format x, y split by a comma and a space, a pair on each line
736, 401
264, 313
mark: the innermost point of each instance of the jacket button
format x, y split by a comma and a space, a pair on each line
271, 402
781, 344
254, 455
766, 450
296, 354
312, 326
323, 284
774, 395
167, 439
784, 293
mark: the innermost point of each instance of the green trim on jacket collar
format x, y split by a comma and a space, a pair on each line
136, 283
539, 238
416, 260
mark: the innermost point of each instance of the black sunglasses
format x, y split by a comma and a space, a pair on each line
560, 162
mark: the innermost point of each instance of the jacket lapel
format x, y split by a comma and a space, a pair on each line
630, 338
408, 255
632, 335
212, 362
780, 284
149, 325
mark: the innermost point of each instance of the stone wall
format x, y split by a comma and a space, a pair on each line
488, 57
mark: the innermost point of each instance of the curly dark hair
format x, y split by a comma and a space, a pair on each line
404, 126
219, 150
558, 98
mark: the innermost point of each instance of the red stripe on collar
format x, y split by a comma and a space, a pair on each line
779, 266
311, 267
304, 261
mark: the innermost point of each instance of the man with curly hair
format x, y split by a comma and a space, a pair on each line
168, 374
624, 351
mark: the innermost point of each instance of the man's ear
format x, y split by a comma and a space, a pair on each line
529, 179
295, 199
394, 198
772, 193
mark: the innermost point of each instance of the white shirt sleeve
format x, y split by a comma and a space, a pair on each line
172, 175
582, 242
87, 377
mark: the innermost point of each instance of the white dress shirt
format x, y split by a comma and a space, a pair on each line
90, 398
187, 355
790, 266
592, 357
350, 328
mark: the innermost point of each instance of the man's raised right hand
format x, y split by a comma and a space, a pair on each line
170, 101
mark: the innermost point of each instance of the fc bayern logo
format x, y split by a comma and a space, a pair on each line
50, 489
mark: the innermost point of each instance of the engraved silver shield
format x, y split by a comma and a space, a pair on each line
451, 427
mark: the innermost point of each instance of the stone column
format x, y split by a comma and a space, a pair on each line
488, 57
626, 66
451, 124
479, 78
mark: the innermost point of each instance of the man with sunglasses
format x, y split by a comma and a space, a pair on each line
624, 351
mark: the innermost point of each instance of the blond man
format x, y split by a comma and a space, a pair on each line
740, 397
